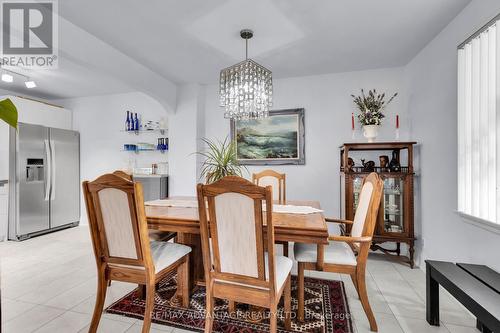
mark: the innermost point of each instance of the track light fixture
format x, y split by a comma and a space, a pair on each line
9, 78
30, 84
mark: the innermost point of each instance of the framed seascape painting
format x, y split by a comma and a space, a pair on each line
277, 139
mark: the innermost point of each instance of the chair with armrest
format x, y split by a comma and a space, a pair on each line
345, 254
237, 268
278, 183
123, 251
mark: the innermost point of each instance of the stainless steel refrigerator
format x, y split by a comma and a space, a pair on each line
44, 173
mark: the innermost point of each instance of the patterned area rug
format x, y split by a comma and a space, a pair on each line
326, 310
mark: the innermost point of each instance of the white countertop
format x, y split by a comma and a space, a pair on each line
148, 176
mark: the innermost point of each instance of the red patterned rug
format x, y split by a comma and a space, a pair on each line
326, 310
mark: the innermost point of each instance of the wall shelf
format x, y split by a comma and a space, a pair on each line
142, 131
144, 151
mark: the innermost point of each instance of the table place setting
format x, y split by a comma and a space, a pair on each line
181, 203
293, 209
277, 208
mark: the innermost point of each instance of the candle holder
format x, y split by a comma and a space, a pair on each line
397, 128
353, 129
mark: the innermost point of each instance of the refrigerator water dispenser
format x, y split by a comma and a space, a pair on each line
34, 170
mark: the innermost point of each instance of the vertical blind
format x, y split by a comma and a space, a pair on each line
478, 125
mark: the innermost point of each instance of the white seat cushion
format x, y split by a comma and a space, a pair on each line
165, 253
157, 235
335, 253
283, 266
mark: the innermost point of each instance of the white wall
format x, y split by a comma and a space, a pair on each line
101, 123
185, 127
328, 107
101, 120
431, 83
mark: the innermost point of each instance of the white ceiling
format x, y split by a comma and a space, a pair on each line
192, 40
69, 80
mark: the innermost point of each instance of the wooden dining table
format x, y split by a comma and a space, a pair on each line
304, 228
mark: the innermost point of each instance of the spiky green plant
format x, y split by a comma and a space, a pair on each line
220, 160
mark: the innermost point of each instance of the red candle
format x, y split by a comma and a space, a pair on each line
397, 121
352, 121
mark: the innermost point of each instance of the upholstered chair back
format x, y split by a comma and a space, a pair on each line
233, 239
367, 209
274, 179
236, 236
117, 220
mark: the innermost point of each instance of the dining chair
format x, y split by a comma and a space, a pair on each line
345, 254
237, 267
123, 251
278, 182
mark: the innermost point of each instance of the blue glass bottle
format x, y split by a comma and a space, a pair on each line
127, 122
136, 123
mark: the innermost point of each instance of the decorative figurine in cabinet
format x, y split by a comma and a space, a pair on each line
395, 223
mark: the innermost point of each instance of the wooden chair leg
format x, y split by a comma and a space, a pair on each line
353, 278
300, 292
209, 319
142, 291
285, 249
150, 303
185, 283
273, 318
102, 286
363, 297
232, 306
288, 303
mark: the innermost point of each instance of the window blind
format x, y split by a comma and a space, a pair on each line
478, 125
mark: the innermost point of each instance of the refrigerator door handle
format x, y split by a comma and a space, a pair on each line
53, 168
48, 170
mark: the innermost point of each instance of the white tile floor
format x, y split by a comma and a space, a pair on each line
48, 285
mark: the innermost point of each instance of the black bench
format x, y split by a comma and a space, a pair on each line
477, 287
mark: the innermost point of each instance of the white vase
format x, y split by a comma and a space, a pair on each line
370, 132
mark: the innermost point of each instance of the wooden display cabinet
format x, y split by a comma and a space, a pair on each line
395, 223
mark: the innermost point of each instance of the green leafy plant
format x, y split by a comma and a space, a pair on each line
220, 160
8, 112
371, 107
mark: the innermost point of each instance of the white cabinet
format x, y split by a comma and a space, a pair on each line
4, 209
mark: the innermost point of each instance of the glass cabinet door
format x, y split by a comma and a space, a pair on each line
392, 205
357, 182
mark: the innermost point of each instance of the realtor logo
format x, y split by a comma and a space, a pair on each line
29, 34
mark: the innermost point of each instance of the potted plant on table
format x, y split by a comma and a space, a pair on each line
371, 107
8, 112
220, 160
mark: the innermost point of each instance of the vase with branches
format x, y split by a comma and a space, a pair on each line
371, 107
220, 160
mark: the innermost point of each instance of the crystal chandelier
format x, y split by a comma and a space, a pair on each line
246, 89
